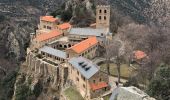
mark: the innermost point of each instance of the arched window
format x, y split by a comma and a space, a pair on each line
105, 11
100, 11
100, 17
104, 17
69, 45
60, 46
94, 81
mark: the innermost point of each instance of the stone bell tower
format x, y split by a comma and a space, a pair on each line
103, 16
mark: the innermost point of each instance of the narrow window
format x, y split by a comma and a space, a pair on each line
94, 81
100, 11
104, 17
83, 54
84, 78
100, 80
44, 26
105, 88
105, 11
77, 79
100, 17
48, 27
84, 86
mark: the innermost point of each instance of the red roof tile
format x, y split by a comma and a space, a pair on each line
84, 45
64, 26
48, 18
46, 36
98, 85
139, 54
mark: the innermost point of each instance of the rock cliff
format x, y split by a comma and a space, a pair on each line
19, 18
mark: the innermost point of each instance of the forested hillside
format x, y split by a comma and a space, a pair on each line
140, 24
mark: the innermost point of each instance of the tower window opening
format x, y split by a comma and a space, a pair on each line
100, 11
100, 17
104, 17
105, 11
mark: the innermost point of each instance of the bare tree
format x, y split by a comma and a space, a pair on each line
154, 40
115, 49
111, 51
118, 20
107, 54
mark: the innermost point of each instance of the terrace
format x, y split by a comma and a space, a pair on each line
50, 62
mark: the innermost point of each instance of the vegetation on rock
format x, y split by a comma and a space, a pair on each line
7, 86
160, 84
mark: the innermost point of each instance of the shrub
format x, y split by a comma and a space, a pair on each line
7, 85
160, 85
22, 92
66, 15
132, 81
38, 89
2, 18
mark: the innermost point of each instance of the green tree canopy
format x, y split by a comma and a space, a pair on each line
159, 86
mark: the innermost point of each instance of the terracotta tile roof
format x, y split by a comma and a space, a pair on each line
46, 36
84, 45
64, 26
98, 85
139, 54
48, 18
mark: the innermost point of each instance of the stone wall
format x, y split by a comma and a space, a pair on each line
43, 25
99, 77
79, 81
40, 68
103, 16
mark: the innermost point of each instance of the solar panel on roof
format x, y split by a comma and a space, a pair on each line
83, 66
87, 68
90, 71
80, 63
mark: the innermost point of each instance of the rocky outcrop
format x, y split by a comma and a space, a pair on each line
129, 93
80, 10
18, 18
